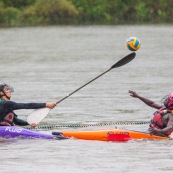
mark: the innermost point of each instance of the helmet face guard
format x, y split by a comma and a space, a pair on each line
5, 88
164, 98
169, 100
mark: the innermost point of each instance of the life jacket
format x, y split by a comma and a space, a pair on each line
157, 121
7, 120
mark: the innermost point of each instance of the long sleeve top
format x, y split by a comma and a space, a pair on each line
9, 106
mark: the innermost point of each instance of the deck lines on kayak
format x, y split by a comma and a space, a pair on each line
51, 127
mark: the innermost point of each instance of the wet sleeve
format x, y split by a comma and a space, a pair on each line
20, 122
15, 106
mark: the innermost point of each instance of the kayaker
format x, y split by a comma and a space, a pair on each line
7, 116
162, 122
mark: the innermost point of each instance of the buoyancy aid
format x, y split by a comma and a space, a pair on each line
7, 120
157, 121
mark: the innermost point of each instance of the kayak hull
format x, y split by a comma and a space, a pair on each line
13, 131
102, 135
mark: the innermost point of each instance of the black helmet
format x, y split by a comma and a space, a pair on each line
8, 86
1, 87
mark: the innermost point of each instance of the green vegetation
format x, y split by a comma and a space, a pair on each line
54, 12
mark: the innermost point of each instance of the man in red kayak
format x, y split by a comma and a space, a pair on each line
7, 116
162, 122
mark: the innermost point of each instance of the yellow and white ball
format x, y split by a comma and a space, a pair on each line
133, 43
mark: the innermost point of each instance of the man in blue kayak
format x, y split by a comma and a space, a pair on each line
7, 116
162, 122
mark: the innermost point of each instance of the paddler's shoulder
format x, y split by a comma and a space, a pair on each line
9, 102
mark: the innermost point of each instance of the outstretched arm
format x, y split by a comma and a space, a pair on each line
145, 100
10, 105
19, 122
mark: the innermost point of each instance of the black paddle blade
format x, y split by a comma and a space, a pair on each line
125, 60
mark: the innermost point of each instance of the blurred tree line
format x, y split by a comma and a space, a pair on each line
54, 12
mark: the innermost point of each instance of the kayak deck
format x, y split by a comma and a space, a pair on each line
102, 135
13, 132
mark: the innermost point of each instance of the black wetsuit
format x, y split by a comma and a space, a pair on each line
10, 106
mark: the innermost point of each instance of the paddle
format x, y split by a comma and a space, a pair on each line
119, 137
37, 115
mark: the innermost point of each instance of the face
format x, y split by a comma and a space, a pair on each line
7, 91
168, 103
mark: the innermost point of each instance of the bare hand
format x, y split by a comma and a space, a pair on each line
133, 94
154, 130
33, 125
50, 105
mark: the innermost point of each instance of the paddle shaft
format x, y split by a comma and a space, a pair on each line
120, 63
83, 86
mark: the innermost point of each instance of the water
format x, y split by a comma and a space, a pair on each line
48, 63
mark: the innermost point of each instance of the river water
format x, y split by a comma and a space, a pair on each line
47, 63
